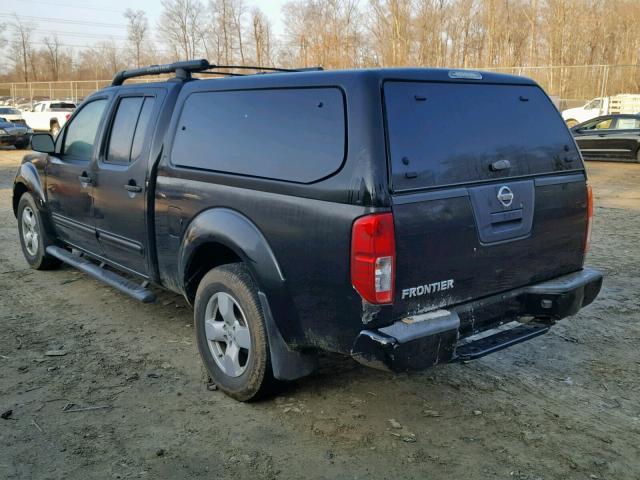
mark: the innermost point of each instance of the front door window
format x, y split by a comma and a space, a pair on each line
81, 133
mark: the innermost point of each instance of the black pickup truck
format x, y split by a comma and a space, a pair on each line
406, 217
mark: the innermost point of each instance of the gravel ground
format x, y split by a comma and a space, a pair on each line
563, 406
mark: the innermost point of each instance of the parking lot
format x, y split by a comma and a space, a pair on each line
129, 400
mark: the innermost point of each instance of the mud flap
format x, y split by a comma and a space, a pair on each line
287, 364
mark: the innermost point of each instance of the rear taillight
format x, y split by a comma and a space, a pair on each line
587, 237
373, 257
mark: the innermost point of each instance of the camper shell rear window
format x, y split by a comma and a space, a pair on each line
443, 134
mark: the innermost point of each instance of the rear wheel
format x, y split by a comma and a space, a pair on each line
22, 145
33, 237
231, 332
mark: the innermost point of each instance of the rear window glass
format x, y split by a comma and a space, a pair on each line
124, 126
295, 135
61, 105
446, 133
628, 123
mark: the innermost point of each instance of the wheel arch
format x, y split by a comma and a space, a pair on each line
234, 237
221, 235
205, 257
28, 180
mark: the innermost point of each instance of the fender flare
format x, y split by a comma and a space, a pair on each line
29, 177
235, 231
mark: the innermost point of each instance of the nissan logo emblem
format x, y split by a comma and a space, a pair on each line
505, 195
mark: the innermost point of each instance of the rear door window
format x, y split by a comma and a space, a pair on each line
451, 133
143, 128
124, 126
296, 135
129, 130
627, 123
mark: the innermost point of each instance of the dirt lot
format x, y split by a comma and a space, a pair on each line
563, 406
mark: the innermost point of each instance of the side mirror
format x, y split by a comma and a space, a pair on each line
42, 142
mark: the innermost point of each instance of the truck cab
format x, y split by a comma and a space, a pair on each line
405, 217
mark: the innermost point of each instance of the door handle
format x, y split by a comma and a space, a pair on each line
500, 165
132, 188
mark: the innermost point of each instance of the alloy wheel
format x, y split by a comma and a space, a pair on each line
227, 333
30, 233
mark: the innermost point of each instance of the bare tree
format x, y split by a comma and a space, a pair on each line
52, 55
323, 32
3, 28
181, 24
22, 46
238, 11
390, 24
261, 37
227, 27
111, 58
136, 32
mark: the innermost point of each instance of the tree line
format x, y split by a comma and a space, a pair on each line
351, 34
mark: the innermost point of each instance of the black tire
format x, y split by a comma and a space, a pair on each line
234, 280
35, 253
22, 146
54, 130
638, 155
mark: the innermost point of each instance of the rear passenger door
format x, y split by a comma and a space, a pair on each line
121, 176
627, 137
594, 138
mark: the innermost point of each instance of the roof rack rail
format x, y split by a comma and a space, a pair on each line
184, 69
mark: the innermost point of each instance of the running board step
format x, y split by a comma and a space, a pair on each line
502, 339
110, 278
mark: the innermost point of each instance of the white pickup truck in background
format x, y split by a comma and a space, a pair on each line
49, 115
623, 103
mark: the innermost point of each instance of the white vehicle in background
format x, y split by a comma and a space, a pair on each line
49, 116
623, 103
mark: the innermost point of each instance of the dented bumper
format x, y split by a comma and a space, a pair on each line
421, 341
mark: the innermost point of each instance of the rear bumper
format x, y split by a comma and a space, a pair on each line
421, 341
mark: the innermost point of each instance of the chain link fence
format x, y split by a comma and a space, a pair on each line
574, 85
23, 94
569, 85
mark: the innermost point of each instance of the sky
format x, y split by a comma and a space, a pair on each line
80, 23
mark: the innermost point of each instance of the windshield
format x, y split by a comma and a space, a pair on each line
9, 111
593, 104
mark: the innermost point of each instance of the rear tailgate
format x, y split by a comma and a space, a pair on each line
489, 191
